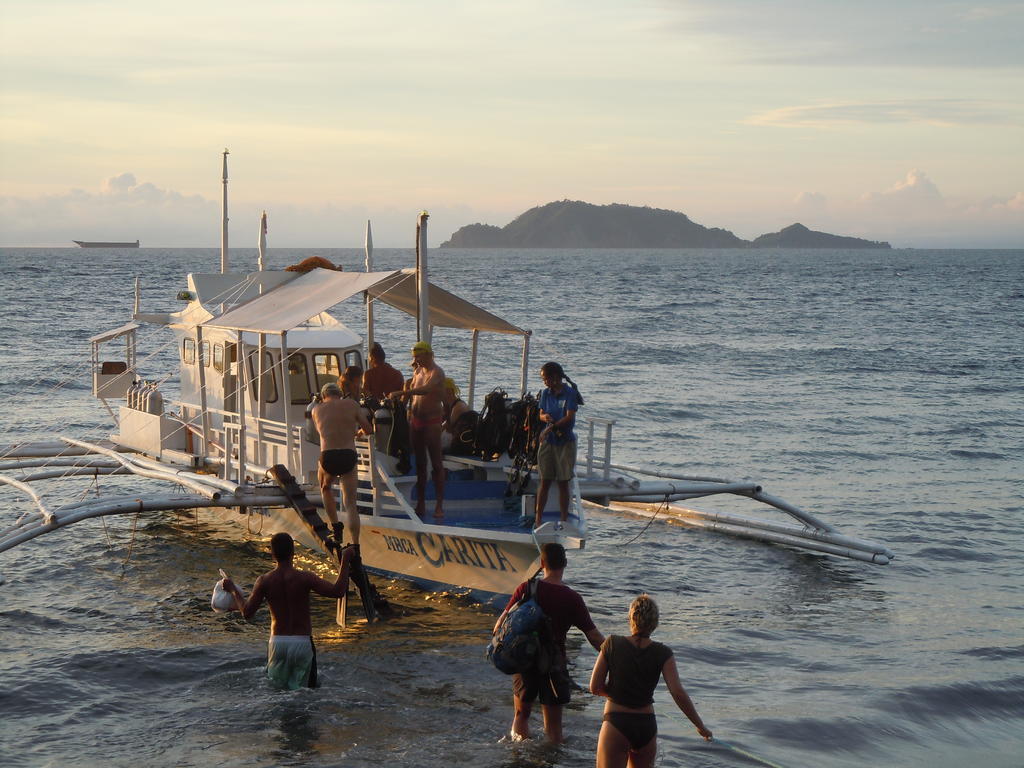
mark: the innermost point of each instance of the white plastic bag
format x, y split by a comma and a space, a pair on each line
222, 601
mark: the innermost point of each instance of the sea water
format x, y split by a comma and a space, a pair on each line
880, 390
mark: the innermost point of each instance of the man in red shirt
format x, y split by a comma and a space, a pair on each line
565, 608
381, 377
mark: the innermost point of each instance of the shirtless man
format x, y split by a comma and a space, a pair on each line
381, 377
338, 421
425, 416
291, 655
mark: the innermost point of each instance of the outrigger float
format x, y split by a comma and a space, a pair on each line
254, 347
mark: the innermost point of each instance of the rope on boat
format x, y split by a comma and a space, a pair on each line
663, 507
79, 371
131, 541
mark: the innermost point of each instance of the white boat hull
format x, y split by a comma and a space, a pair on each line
488, 565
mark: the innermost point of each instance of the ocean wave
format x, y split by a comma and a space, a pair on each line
841, 734
958, 554
29, 622
996, 654
964, 454
975, 700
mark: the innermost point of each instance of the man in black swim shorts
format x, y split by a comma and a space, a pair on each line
338, 421
338, 461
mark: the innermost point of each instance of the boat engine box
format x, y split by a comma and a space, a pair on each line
149, 433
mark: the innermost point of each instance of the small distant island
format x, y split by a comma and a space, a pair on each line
575, 224
799, 236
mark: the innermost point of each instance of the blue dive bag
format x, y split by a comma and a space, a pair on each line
523, 641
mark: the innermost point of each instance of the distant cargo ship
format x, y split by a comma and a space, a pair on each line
86, 244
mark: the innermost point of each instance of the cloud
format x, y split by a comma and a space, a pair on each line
124, 209
869, 33
914, 212
122, 183
810, 204
928, 111
915, 195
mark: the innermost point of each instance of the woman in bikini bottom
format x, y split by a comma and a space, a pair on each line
638, 727
338, 461
627, 671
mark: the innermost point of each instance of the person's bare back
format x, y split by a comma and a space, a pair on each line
337, 421
287, 590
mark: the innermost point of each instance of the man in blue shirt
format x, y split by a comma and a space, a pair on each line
556, 454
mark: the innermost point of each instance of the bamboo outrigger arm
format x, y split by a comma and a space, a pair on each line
64, 516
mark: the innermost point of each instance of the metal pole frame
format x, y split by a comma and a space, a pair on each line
286, 401
241, 413
202, 391
472, 367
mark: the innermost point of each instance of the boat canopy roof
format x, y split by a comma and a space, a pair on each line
232, 288
291, 304
121, 330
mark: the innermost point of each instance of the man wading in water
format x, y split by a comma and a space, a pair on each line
291, 655
565, 608
425, 417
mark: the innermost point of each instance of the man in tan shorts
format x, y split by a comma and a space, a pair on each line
338, 421
426, 414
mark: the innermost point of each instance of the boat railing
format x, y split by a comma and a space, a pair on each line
381, 496
597, 458
223, 440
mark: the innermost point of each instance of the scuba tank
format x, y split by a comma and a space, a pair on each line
155, 404
129, 396
147, 389
382, 423
309, 431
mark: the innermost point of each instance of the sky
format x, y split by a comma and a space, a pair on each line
900, 120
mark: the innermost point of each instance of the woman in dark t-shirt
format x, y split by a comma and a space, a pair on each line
627, 672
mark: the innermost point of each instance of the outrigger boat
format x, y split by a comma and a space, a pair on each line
253, 348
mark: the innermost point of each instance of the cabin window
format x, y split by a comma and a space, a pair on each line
269, 389
188, 351
204, 354
218, 357
353, 357
327, 367
298, 379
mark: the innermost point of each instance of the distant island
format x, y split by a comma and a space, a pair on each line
574, 224
799, 236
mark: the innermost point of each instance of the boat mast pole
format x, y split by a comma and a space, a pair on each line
422, 280
262, 245
371, 443
366, 294
224, 217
